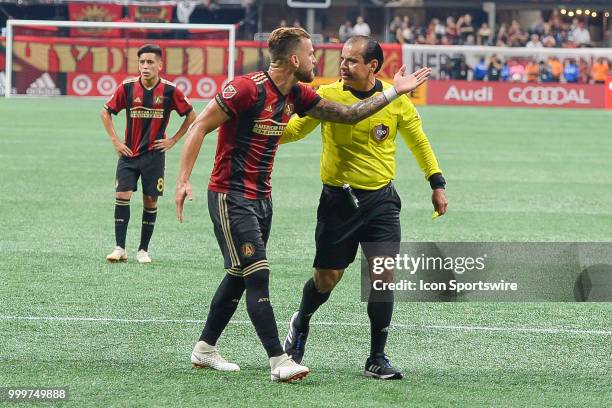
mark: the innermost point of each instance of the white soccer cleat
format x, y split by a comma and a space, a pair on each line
284, 369
207, 356
143, 257
118, 255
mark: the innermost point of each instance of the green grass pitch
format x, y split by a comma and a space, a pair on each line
513, 175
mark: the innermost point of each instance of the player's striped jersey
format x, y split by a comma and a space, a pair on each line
147, 111
247, 142
363, 155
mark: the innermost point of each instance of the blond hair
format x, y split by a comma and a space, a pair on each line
283, 41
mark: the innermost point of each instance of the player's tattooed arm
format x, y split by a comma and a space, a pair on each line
334, 112
330, 111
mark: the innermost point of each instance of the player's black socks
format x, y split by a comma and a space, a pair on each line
222, 307
148, 224
380, 309
122, 218
311, 300
260, 311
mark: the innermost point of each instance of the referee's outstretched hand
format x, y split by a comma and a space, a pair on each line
183, 190
407, 83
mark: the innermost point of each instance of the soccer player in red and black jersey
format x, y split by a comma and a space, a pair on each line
148, 101
251, 113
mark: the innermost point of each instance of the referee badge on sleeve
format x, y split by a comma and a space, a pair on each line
380, 132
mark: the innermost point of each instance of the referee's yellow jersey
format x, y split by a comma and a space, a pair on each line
363, 155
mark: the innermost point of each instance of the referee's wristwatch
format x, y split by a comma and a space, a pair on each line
437, 181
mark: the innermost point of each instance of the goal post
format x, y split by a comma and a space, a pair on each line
12, 24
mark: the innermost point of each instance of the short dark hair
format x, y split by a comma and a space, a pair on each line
152, 48
283, 41
372, 50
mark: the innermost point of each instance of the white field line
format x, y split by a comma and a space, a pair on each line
536, 330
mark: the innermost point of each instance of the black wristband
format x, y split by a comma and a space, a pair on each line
437, 181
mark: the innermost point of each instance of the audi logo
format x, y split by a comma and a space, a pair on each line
541, 95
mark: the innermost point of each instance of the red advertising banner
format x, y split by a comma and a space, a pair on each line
475, 93
95, 12
609, 92
151, 14
193, 86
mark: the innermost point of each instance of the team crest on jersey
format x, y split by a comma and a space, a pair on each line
158, 99
248, 249
380, 132
289, 109
229, 92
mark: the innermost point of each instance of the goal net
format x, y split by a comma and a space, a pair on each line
90, 59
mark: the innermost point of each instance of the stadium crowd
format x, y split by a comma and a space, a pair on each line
556, 32
528, 70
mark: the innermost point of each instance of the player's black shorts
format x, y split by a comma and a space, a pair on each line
149, 166
242, 227
341, 227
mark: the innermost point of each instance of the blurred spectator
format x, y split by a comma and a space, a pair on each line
545, 72
394, 25
599, 71
556, 69
516, 36
584, 71
534, 42
460, 70
361, 27
517, 71
296, 23
465, 27
504, 74
502, 35
405, 34
484, 35
184, 9
580, 35
570, 72
439, 29
282, 23
470, 40
480, 70
494, 69
346, 31
532, 70
538, 27
451, 30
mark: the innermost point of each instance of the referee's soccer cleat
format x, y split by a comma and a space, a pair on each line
118, 255
143, 257
284, 369
380, 367
295, 342
207, 356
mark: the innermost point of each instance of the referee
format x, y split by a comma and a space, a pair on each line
359, 203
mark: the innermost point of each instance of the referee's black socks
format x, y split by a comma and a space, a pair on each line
260, 311
222, 307
149, 215
122, 218
380, 309
311, 300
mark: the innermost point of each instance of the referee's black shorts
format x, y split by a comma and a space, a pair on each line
341, 227
242, 227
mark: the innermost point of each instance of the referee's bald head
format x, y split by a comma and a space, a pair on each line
371, 49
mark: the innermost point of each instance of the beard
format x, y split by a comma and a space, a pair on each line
305, 76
